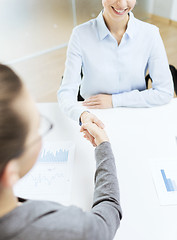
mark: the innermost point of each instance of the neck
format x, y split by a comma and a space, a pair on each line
115, 26
8, 201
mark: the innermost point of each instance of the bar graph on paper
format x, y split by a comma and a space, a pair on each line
60, 156
50, 178
165, 180
169, 183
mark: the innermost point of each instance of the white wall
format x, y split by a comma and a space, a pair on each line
151, 6
167, 9
141, 9
163, 8
174, 11
143, 5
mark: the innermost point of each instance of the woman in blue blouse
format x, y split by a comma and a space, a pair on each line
114, 51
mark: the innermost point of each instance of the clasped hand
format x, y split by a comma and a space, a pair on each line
93, 129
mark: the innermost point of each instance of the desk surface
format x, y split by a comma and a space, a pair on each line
136, 135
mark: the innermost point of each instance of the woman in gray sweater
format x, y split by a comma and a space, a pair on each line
20, 143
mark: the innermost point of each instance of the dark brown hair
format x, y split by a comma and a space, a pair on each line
13, 129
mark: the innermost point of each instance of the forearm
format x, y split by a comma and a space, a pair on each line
69, 105
146, 98
106, 202
106, 183
67, 94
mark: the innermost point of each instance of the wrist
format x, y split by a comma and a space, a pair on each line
101, 140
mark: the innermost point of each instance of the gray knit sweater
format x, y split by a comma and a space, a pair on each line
43, 220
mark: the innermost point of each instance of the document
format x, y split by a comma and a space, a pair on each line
165, 180
51, 177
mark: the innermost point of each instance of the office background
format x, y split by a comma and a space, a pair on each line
35, 34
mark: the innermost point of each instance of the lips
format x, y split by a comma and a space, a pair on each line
119, 11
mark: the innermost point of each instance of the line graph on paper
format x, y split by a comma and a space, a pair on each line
50, 178
43, 175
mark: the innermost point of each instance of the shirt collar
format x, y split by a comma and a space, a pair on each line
104, 31
131, 25
102, 28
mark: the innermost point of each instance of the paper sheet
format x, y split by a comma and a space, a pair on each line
165, 179
50, 179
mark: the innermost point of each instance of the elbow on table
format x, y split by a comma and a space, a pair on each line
166, 97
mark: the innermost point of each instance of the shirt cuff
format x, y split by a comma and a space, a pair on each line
116, 100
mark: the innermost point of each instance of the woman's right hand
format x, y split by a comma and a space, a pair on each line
94, 134
87, 117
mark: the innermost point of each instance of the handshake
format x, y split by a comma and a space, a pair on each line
93, 129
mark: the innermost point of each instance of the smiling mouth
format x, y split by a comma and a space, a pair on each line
120, 12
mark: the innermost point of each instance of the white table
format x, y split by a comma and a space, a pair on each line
136, 136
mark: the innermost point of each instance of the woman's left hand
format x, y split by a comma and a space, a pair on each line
98, 101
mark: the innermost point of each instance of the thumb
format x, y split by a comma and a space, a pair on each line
90, 127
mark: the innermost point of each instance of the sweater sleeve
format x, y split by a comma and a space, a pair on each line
104, 219
44, 220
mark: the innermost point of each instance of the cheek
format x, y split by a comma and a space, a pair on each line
132, 4
36, 151
30, 158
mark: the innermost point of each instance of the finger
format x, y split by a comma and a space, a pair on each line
99, 123
90, 138
90, 129
82, 128
96, 97
91, 103
86, 135
94, 106
94, 119
98, 106
86, 138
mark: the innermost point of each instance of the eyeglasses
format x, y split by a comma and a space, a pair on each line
45, 126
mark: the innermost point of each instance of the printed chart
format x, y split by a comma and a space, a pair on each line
165, 180
50, 178
169, 183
